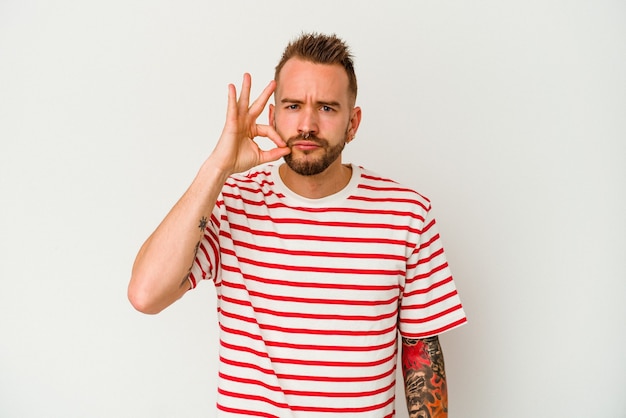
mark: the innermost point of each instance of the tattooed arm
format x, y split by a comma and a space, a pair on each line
424, 378
162, 266
161, 269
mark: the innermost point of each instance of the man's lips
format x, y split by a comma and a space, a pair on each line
304, 145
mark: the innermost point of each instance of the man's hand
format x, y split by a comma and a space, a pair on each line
236, 150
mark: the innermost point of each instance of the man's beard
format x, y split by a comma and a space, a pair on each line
309, 166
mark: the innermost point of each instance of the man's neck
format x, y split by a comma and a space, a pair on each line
326, 183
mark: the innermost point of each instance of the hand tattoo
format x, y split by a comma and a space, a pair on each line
425, 378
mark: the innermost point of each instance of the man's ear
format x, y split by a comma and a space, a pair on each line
272, 122
355, 121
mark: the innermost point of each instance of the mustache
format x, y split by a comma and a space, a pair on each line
310, 137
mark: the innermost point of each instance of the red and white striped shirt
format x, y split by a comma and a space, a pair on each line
311, 293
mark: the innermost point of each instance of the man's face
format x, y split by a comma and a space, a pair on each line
314, 113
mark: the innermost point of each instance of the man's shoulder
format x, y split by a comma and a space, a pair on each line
376, 182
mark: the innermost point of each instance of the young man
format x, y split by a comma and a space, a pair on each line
317, 264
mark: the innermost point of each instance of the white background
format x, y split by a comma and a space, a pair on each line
509, 115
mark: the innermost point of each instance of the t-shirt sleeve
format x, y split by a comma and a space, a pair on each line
207, 261
430, 302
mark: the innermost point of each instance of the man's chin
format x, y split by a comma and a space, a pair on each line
305, 168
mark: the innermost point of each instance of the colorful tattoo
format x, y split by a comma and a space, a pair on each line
424, 378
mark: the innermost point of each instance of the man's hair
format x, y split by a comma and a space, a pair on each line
321, 49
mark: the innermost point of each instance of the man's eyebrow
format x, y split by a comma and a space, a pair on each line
318, 103
287, 100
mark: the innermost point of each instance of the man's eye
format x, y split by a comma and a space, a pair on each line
327, 108
292, 107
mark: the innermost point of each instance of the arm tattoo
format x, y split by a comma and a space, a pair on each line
424, 378
201, 225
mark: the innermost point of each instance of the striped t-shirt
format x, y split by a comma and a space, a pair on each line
312, 292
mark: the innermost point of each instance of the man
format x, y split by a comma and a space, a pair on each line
317, 264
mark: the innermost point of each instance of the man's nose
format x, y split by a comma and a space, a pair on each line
308, 122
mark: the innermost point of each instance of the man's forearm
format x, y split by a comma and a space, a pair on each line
424, 378
161, 269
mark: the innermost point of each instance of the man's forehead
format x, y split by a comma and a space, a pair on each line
299, 76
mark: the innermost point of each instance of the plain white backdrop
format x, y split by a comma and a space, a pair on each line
510, 116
